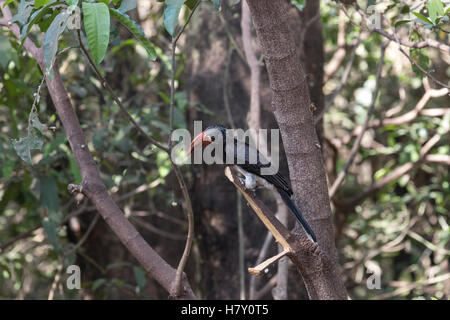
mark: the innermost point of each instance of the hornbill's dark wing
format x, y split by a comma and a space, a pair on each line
251, 160
243, 153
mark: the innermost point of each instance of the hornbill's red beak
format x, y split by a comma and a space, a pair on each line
201, 139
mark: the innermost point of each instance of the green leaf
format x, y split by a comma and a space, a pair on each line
191, 3
171, 13
36, 123
7, 168
421, 59
72, 2
47, 21
139, 276
40, 3
98, 283
49, 193
96, 22
51, 39
435, 8
8, 2
24, 146
447, 10
400, 22
405, 9
7, 52
136, 30
50, 229
35, 17
23, 12
422, 17
127, 5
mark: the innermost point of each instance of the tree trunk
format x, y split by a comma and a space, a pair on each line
292, 109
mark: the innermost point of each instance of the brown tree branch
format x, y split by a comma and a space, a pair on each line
177, 282
92, 184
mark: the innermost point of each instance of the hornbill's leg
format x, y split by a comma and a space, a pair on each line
249, 180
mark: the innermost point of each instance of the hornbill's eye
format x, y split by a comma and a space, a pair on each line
213, 139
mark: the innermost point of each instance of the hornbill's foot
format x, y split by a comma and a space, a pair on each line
249, 184
247, 179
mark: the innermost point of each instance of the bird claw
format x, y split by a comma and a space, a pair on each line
249, 187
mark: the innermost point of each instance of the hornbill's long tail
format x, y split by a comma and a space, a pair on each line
291, 205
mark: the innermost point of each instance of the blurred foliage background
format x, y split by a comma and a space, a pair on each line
391, 213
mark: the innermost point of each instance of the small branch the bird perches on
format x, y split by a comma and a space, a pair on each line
292, 244
279, 231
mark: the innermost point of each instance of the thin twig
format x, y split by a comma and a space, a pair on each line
51, 294
176, 290
172, 93
393, 37
418, 66
187, 21
231, 38
357, 143
148, 226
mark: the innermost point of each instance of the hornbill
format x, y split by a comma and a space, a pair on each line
250, 162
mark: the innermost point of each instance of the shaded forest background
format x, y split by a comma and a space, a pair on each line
391, 212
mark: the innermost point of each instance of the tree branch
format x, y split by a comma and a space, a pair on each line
176, 289
92, 184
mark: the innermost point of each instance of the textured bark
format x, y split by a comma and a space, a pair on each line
292, 109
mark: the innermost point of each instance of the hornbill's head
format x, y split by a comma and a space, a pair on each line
212, 134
